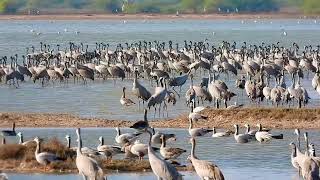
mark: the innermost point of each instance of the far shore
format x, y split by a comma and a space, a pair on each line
170, 17
277, 118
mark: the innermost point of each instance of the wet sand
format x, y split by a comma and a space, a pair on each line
279, 118
92, 16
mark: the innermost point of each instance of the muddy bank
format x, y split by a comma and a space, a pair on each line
279, 118
92, 16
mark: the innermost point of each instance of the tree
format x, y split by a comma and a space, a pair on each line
311, 6
211, 5
10, 6
109, 5
191, 5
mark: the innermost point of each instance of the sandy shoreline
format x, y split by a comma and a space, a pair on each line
89, 16
270, 117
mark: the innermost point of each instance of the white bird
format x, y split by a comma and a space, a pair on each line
194, 116
161, 168
264, 136
240, 138
197, 131
219, 134
284, 33
138, 149
4, 176
85, 150
107, 150
199, 109
126, 137
235, 106
204, 169
87, 166
22, 142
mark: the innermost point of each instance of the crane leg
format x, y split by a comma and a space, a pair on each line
159, 109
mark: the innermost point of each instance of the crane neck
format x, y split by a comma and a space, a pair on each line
214, 131
145, 116
68, 142
307, 146
79, 143
118, 131
248, 129
294, 152
193, 143
191, 124
3, 140
37, 148
237, 130
20, 139
163, 142
123, 93
101, 142
150, 137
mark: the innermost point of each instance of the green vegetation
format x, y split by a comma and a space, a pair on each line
159, 6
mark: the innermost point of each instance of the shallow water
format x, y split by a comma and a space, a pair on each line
237, 161
100, 99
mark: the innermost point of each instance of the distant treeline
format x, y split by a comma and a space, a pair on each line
157, 6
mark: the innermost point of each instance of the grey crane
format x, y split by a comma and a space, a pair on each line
116, 72
139, 90
178, 81
161, 168
85, 72
158, 97
87, 166
204, 169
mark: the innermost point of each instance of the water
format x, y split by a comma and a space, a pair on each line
102, 99
237, 161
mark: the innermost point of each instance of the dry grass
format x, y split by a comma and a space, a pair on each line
11, 154
281, 118
127, 165
12, 151
18, 158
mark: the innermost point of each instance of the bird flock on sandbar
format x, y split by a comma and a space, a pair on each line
253, 67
